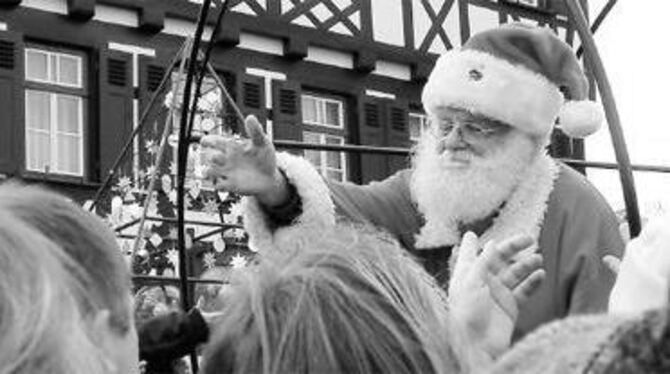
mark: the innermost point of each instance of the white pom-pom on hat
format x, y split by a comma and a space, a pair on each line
579, 119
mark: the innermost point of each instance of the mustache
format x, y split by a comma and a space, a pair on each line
461, 155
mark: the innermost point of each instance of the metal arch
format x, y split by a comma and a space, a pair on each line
597, 22
576, 15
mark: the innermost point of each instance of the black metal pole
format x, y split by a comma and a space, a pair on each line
182, 155
204, 64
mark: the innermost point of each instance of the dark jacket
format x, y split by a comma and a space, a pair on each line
166, 338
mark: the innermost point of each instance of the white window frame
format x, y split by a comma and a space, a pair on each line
321, 110
54, 133
423, 119
55, 89
323, 168
51, 80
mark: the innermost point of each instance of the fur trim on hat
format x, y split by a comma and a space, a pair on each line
318, 210
579, 119
495, 88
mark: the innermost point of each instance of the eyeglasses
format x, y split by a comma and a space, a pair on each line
470, 127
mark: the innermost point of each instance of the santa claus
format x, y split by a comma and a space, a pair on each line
481, 167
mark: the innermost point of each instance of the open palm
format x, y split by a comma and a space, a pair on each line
247, 166
487, 288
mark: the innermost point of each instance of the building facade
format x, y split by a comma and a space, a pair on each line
76, 76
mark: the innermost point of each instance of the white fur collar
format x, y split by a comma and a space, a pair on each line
523, 212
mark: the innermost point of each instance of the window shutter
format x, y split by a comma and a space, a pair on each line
115, 109
371, 119
11, 101
152, 71
229, 115
397, 134
287, 112
251, 98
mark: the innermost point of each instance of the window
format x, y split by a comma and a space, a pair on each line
55, 111
323, 123
418, 124
321, 111
330, 164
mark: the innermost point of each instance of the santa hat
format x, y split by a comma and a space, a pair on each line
519, 74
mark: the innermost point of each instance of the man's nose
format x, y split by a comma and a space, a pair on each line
453, 139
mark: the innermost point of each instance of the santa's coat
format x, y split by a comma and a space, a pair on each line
572, 223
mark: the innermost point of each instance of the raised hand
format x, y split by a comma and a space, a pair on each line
245, 166
487, 288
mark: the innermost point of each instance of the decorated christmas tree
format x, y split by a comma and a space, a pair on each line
147, 236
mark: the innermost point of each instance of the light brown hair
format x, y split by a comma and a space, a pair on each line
345, 301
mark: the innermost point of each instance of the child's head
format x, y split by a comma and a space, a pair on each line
65, 304
345, 301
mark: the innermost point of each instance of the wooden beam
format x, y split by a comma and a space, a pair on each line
367, 28
274, 8
341, 15
436, 28
300, 9
408, 23
464, 18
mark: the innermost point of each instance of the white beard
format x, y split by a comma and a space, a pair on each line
448, 196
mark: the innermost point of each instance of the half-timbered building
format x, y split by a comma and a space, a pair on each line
76, 76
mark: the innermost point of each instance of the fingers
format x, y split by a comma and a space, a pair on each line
218, 174
497, 256
516, 273
467, 253
217, 152
509, 300
613, 263
255, 131
224, 184
503, 296
516, 282
214, 141
528, 287
469, 247
508, 248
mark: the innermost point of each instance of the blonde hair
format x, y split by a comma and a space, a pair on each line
58, 266
344, 301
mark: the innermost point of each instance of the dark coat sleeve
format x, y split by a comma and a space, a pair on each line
386, 204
